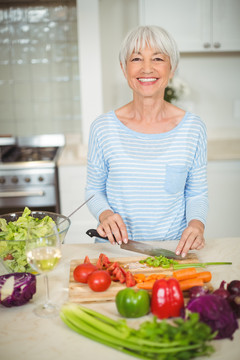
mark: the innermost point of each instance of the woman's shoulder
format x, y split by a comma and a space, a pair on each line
195, 126
104, 119
194, 119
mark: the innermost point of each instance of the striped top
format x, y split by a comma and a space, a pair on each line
156, 182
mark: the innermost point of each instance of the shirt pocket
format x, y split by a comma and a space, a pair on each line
176, 176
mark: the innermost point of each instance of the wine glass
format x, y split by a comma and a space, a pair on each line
43, 255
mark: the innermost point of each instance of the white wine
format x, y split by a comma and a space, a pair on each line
44, 259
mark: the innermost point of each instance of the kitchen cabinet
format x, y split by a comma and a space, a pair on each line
72, 182
197, 26
224, 199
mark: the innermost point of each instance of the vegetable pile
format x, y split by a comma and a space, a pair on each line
205, 315
100, 276
154, 339
17, 289
13, 235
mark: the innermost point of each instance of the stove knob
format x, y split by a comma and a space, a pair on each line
2, 180
40, 178
27, 179
14, 180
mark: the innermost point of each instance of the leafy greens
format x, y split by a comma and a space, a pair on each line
13, 235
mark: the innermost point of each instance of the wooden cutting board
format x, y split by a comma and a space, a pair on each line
80, 293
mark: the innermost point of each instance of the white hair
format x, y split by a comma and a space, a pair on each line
153, 36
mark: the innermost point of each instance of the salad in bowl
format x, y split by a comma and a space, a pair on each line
14, 233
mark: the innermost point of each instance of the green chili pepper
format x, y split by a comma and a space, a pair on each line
158, 261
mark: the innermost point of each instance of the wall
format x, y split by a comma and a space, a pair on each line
39, 74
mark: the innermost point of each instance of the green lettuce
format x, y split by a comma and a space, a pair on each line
12, 250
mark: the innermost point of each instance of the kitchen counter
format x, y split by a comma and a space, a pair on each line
24, 336
218, 149
224, 149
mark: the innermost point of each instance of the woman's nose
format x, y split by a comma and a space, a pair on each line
147, 66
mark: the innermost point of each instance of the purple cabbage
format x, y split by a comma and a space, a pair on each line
216, 312
17, 288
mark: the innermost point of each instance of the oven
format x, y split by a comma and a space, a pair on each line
29, 173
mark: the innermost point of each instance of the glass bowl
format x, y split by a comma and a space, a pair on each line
12, 252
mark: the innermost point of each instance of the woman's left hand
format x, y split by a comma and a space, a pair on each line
192, 238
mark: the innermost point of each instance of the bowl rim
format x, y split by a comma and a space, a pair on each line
40, 212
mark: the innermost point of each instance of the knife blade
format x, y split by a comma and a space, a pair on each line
140, 247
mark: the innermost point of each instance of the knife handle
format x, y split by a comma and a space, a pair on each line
93, 232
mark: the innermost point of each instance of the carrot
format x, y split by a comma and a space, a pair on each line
142, 277
139, 278
146, 285
155, 277
206, 276
185, 274
151, 277
189, 283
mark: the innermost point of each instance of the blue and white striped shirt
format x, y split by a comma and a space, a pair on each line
156, 182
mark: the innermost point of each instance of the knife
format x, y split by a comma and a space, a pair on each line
140, 247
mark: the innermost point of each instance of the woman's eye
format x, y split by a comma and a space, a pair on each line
157, 59
136, 59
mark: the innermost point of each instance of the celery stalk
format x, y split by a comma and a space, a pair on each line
118, 335
202, 265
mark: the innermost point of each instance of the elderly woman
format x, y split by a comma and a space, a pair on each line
147, 159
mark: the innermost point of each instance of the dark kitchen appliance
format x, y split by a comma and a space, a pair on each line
29, 173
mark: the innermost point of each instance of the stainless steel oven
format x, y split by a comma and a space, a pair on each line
29, 173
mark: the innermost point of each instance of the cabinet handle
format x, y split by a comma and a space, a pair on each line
217, 45
207, 45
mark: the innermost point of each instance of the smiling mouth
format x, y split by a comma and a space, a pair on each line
147, 80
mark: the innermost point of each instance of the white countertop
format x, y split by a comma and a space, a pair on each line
75, 153
24, 336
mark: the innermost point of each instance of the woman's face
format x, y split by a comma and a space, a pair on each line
148, 72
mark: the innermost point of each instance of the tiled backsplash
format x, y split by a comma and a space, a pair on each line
39, 74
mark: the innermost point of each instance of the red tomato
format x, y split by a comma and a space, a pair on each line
82, 271
99, 280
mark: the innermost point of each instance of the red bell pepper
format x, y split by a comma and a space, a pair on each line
167, 298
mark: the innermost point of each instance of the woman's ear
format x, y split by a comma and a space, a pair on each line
123, 70
171, 74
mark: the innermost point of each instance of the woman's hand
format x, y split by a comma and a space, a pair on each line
112, 224
192, 238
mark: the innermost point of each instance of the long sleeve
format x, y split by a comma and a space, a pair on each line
96, 176
196, 191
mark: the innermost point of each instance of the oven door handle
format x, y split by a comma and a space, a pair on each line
11, 194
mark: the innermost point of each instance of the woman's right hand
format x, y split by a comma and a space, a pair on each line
112, 224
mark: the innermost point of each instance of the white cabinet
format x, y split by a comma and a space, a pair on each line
199, 25
224, 199
72, 182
